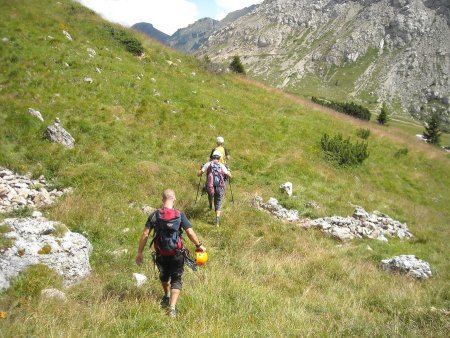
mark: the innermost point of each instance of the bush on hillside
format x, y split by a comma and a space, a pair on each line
383, 117
432, 131
351, 108
237, 66
401, 153
363, 133
342, 151
131, 44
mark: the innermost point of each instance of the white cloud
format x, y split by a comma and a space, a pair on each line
227, 6
167, 15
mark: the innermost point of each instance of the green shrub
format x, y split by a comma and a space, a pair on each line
383, 117
236, 65
342, 151
363, 133
401, 152
351, 108
131, 44
432, 131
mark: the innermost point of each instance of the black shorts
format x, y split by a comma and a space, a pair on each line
171, 268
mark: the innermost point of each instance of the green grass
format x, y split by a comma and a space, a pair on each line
263, 277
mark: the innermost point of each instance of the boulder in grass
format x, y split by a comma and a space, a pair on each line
56, 133
67, 35
139, 279
287, 188
407, 264
34, 243
36, 114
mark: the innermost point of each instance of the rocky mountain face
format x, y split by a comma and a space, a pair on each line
151, 31
189, 39
372, 51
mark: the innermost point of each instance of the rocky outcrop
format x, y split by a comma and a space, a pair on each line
407, 264
273, 207
190, 38
56, 133
18, 191
362, 224
40, 241
395, 49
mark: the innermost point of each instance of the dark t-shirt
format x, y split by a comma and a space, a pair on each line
151, 221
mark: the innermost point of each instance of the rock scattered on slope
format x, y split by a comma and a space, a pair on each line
362, 224
34, 243
139, 279
407, 264
57, 134
35, 113
67, 35
88, 79
91, 52
287, 188
18, 191
54, 294
273, 207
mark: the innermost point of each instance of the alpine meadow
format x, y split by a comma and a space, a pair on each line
144, 123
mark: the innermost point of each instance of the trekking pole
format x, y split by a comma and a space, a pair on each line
198, 188
231, 190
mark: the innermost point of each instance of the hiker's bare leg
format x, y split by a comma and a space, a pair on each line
166, 287
174, 296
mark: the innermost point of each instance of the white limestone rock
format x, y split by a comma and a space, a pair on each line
407, 264
34, 244
35, 113
67, 35
57, 134
139, 279
287, 188
54, 294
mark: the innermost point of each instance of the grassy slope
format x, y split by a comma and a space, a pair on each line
264, 278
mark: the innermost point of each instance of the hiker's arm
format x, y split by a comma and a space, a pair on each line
202, 169
142, 242
193, 237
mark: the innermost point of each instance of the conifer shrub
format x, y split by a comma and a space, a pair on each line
432, 131
363, 133
342, 151
383, 117
351, 108
131, 44
237, 66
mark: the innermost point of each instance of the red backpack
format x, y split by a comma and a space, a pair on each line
215, 177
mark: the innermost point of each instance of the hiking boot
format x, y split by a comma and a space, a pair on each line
165, 301
172, 311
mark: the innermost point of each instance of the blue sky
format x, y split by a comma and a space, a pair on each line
165, 15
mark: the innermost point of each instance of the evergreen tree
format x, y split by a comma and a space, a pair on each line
383, 117
432, 131
236, 65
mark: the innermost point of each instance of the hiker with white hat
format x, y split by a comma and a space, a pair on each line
216, 173
224, 153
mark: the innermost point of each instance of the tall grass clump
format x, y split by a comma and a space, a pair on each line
363, 133
342, 151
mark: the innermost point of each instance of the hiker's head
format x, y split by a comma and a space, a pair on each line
216, 155
168, 195
220, 140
